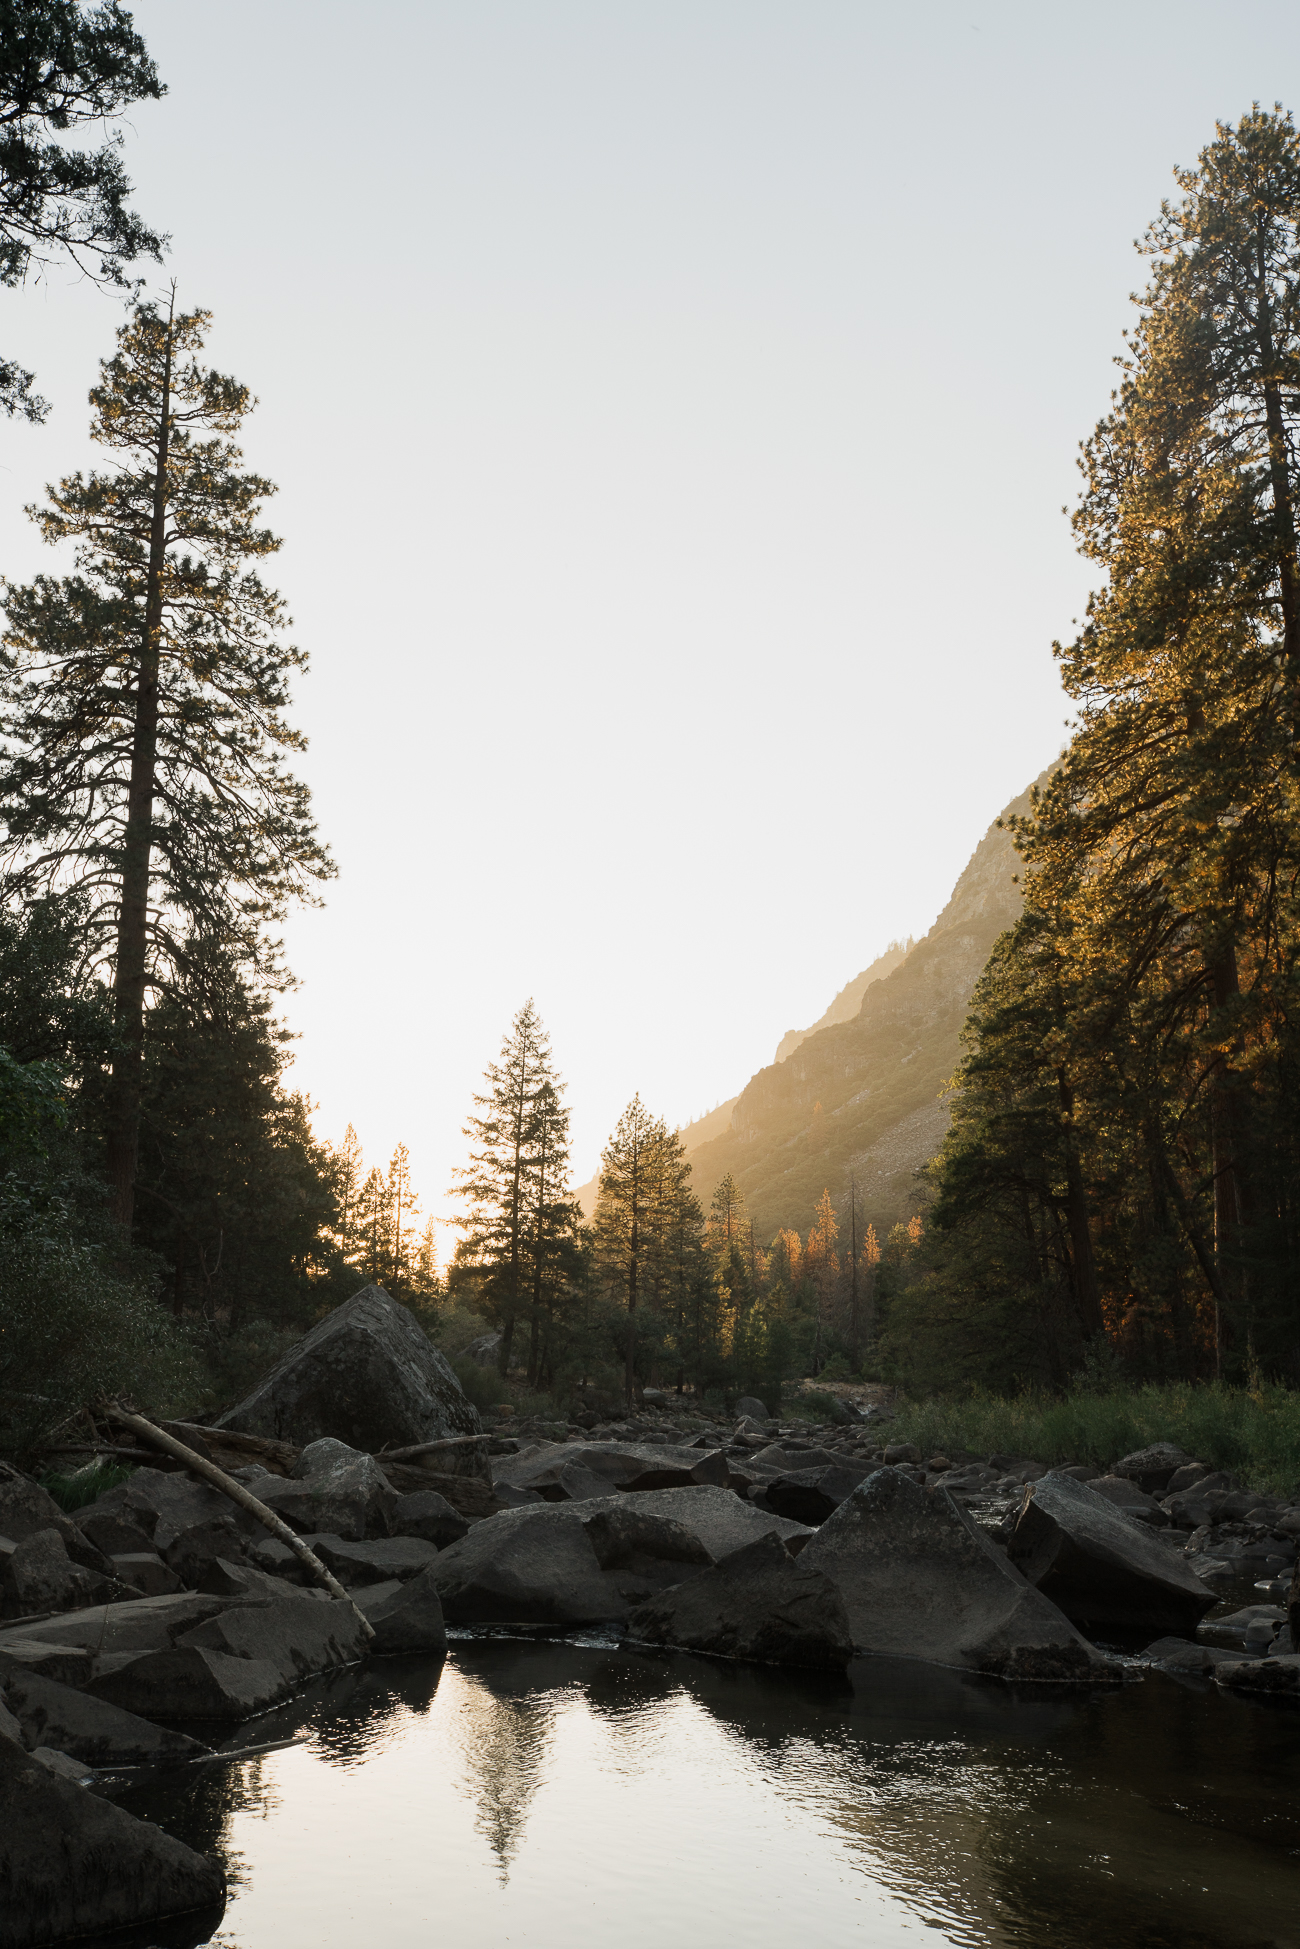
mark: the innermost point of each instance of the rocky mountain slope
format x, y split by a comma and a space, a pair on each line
847, 1002
862, 1097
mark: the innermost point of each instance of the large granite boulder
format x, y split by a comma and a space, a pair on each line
811, 1495
920, 1580
525, 1566
39, 1575
407, 1617
758, 1604
26, 1507
1099, 1565
1153, 1468
426, 1514
366, 1374
576, 1471
73, 1865
719, 1519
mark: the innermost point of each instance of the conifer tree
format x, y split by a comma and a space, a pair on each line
404, 1206
145, 698
496, 1181
643, 1170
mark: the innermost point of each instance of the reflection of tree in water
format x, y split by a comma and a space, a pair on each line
504, 1740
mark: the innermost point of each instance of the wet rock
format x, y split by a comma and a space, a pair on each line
920, 1580
367, 1375
89, 1728
74, 1865
334, 1489
407, 1617
426, 1514
810, 1495
1277, 1675
378, 1562
1098, 1566
524, 1566
64, 1766
1188, 1660
1153, 1468
756, 1604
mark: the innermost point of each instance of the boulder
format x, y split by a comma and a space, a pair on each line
113, 1532
525, 1566
142, 1624
144, 1571
719, 1519
920, 1580
639, 1551
810, 1495
26, 1507
9, 1727
1187, 1660
67, 1664
73, 1865
299, 1633
67, 1768
1153, 1468
39, 1575
1097, 1565
169, 1506
89, 1728
784, 1458
577, 1471
407, 1617
485, 1351
334, 1489
366, 1374
191, 1553
276, 1559
1277, 1675
379, 1562
756, 1604
192, 1682
426, 1514
749, 1405
1122, 1492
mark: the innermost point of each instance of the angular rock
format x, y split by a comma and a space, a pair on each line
141, 1624
719, 1519
756, 1604
1097, 1565
1121, 1491
192, 1682
577, 1471
276, 1559
749, 1405
89, 1728
67, 1664
778, 1458
524, 1566
335, 1490
1153, 1468
113, 1532
191, 1553
426, 1514
1187, 1660
811, 1495
300, 1633
920, 1580
145, 1571
379, 1562
639, 1551
74, 1865
367, 1375
9, 1727
67, 1768
39, 1575
483, 1351
407, 1617
26, 1507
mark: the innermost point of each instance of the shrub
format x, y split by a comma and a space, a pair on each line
70, 1331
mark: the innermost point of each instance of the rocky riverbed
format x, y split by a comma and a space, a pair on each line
163, 1619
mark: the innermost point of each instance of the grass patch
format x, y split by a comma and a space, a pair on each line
84, 1485
1255, 1432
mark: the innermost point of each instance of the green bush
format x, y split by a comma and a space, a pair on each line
70, 1331
1254, 1432
483, 1386
84, 1485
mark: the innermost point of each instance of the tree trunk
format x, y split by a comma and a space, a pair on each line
129, 978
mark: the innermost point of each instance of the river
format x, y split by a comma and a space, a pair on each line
552, 1795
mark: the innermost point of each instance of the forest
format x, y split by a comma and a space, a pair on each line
1118, 1197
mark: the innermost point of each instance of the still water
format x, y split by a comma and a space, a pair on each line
570, 1796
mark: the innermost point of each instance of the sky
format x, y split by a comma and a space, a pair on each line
673, 407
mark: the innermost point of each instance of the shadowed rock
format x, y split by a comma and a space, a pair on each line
89, 1728
73, 1865
525, 1566
757, 1604
333, 1489
1098, 1565
407, 1617
920, 1580
379, 1562
426, 1514
367, 1375
811, 1495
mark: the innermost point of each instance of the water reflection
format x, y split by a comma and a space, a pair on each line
553, 1795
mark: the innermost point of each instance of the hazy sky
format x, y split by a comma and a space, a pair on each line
673, 405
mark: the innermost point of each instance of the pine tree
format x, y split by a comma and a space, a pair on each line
553, 1220
642, 1172
63, 68
347, 1167
374, 1227
404, 1206
496, 1181
145, 700
824, 1264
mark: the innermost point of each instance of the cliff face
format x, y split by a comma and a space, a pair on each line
862, 1096
847, 1002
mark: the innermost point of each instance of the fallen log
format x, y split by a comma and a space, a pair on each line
238, 1494
447, 1445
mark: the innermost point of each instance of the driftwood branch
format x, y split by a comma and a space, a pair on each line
442, 1447
237, 1494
